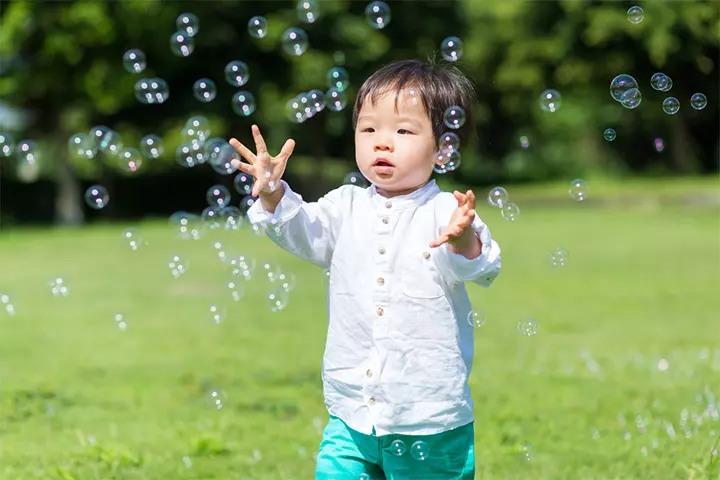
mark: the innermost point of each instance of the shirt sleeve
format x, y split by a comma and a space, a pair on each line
306, 229
481, 270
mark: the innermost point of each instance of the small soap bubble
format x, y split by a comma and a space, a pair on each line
258, 27
81, 145
243, 183
237, 73
295, 110
698, 101
221, 251
231, 218
526, 451
277, 299
286, 281
558, 258
550, 101
187, 225
59, 287
197, 128
510, 211
476, 318
97, 197
671, 105
631, 99
378, 15
181, 44
132, 239
336, 99
218, 196
205, 90
308, 11
216, 398
620, 85
528, 327
357, 179
317, 100
339, 78
451, 49
221, 156
609, 134
211, 217
579, 189
152, 90
190, 154
178, 265
120, 321
151, 147
449, 141
420, 450
130, 160
243, 103
659, 81
187, 462
454, 117
28, 152
245, 204
294, 41
111, 143
398, 448
134, 61
635, 15
189, 23
6, 305
236, 288
7, 144
497, 197
524, 142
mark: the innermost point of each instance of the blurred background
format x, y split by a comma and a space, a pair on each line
62, 73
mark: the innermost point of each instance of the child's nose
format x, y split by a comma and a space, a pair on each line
383, 145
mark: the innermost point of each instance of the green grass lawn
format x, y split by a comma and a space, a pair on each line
628, 346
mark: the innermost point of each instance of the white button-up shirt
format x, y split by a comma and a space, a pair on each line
399, 345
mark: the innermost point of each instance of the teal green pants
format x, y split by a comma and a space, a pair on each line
349, 455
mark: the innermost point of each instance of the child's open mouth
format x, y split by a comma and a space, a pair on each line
383, 166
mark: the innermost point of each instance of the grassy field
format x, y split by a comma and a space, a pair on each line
617, 384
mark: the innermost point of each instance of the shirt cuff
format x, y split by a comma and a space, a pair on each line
482, 269
287, 208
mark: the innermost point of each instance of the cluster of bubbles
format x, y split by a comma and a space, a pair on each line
419, 450
307, 104
447, 158
498, 198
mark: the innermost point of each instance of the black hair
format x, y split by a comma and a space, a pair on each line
440, 85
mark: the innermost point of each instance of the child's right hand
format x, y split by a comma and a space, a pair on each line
266, 170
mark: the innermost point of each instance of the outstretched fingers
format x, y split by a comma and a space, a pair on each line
243, 150
260, 146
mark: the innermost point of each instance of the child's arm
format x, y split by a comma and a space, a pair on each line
466, 251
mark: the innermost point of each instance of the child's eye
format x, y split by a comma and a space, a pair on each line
403, 131
369, 130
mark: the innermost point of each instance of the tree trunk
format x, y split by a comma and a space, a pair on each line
68, 198
683, 151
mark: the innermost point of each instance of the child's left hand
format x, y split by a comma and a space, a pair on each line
458, 230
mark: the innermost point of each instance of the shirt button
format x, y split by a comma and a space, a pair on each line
388, 205
381, 281
385, 220
369, 373
380, 311
426, 255
381, 250
371, 400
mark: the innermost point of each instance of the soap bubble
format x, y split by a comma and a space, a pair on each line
698, 101
550, 101
451, 49
357, 179
308, 10
497, 197
476, 318
216, 398
237, 73
218, 196
671, 105
317, 99
454, 117
220, 155
6, 304
286, 281
528, 327
243, 103
579, 189
258, 27
59, 287
635, 15
120, 321
378, 15
294, 41
181, 44
661, 82
525, 451
398, 448
189, 23
449, 141
510, 211
295, 110
178, 265
7, 145
196, 129
211, 217
130, 160
558, 257
631, 99
134, 61
524, 142
243, 183
151, 147
81, 145
97, 197
620, 85
152, 91
277, 299
338, 78
609, 134
187, 225
420, 450
205, 90
231, 218
132, 239
190, 154
336, 99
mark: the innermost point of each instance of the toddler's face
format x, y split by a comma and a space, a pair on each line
395, 149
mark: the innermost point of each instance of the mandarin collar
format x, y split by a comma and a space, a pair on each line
412, 199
